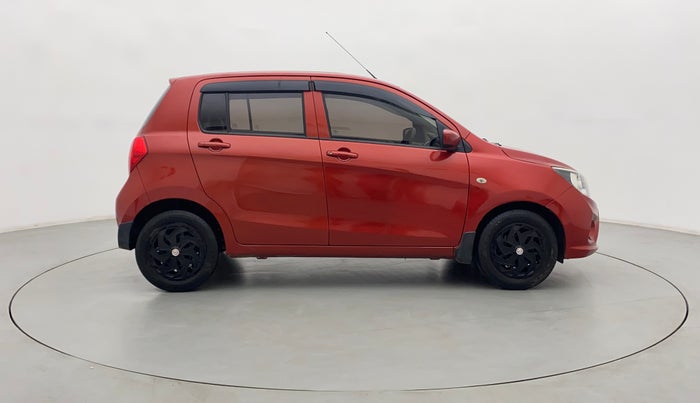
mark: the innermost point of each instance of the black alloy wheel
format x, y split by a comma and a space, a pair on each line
516, 250
177, 251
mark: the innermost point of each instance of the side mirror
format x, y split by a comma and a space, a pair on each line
450, 140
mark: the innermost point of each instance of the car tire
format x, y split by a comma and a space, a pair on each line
516, 250
177, 251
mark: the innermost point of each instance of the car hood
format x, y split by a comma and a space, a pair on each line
532, 158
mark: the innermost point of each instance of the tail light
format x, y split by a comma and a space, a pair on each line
138, 151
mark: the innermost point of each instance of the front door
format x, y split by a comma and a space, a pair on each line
388, 182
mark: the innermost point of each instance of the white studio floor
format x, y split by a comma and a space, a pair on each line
612, 327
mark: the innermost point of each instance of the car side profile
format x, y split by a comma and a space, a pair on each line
333, 165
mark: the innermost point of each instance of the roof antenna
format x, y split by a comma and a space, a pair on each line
353, 57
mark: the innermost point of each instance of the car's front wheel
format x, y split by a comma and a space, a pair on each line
177, 251
517, 250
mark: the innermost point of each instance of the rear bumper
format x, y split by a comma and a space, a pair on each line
124, 236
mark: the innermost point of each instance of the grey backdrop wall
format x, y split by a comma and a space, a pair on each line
610, 87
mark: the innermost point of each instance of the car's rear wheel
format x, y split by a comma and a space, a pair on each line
177, 251
517, 250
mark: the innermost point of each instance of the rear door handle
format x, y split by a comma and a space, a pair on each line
342, 154
214, 144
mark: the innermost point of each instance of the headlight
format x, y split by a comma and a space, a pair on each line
574, 178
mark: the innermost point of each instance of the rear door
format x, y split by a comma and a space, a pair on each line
255, 147
388, 182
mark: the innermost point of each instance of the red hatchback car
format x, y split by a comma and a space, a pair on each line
316, 164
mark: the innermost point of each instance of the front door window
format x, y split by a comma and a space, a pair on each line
359, 118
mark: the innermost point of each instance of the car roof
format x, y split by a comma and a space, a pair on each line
197, 78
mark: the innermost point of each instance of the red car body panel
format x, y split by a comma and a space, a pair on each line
580, 218
414, 198
271, 188
285, 196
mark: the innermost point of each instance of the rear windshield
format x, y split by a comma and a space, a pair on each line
150, 114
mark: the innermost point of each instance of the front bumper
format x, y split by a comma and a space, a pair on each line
579, 217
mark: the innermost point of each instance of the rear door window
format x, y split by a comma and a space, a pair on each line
212, 113
252, 113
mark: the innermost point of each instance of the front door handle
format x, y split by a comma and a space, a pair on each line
214, 144
342, 154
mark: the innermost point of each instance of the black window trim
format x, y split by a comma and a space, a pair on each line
257, 86
365, 91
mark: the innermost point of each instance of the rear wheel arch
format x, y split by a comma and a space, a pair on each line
538, 209
164, 205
